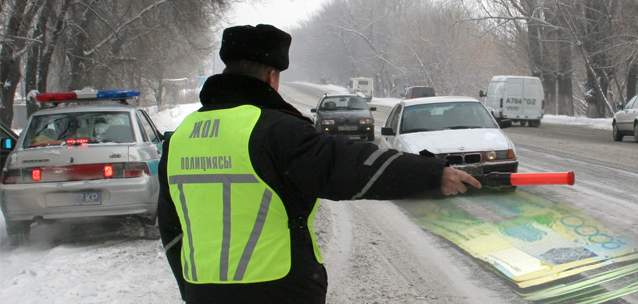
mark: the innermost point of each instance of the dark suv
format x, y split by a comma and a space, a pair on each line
345, 114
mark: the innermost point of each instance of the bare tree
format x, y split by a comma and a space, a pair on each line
16, 41
595, 38
408, 42
104, 44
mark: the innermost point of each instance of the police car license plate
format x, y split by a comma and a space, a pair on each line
88, 198
347, 128
83, 198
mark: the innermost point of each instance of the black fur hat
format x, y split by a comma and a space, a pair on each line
262, 43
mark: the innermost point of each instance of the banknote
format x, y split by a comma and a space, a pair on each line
529, 239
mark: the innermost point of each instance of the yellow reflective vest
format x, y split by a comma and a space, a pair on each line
236, 228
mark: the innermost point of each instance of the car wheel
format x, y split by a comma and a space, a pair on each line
617, 136
636, 132
523, 123
371, 135
19, 232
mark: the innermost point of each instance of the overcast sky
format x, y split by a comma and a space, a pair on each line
284, 14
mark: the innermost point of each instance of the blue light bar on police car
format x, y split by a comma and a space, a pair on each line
117, 94
87, 94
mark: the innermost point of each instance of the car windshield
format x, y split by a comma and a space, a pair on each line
343, 103
94, 127
443, 116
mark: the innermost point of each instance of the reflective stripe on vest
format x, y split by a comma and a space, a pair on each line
235, 226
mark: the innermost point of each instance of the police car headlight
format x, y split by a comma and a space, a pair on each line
328, 122
366, 121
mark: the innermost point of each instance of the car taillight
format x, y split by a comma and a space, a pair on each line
13, 176
76, 173
501, 102
68, 173
136, 169
108, 171
36, 175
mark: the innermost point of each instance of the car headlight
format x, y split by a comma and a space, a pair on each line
328, 122
366, 121
504, 154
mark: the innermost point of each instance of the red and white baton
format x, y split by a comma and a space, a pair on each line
505, 179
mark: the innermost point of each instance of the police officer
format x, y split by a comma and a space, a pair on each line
241, 178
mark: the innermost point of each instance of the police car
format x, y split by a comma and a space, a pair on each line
84, 159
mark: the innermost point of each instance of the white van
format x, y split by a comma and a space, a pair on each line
517, 98
362, 85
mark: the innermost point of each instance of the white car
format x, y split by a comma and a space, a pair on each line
455, 128
83, 161
626, 120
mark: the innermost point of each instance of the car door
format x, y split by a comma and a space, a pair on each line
153, 140
626, 117
494, 95
532, 103
513, 98
391, 141
5, 133
633, 112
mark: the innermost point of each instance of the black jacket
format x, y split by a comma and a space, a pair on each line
300, 166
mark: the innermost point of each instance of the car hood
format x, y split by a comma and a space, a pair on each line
346, 114
454, 141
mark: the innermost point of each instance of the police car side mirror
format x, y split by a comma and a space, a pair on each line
313, 110
482, 94
7, 144
373, 108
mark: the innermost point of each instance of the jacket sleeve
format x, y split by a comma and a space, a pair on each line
336, 168
168, 222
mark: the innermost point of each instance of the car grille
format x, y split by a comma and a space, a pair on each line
472, 158
459, 159
454, 159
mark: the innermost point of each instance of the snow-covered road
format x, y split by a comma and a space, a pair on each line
374, 253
